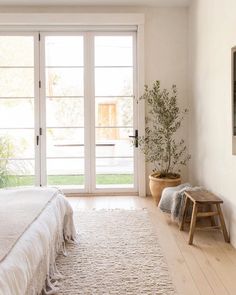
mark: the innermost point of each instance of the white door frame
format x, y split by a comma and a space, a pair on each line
141, 108
74, 21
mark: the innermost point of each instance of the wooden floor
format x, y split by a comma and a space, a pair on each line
207, 267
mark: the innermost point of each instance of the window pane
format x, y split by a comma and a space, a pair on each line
66, 180
114, 180
65, 142
65, 150
113, 81
114, 142
17, 173
64, 50
64, 82
14, 108
16, 51
114, 165
16, 82
65, 112
64, 167
17, 143
115, 111
113, 135
113, 51
118, 149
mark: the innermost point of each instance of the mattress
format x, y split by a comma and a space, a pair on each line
30, 242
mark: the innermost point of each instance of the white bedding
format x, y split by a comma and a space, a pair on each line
32, 259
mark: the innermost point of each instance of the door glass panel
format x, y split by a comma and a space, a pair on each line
64, 110
64, 82
117, 172
113, 81
116, 135
17, 172
20, 142
114, 51
17, 82
65, 142
64, 51
65, 171
14, 108
114, 148
114, 111
17, 137
16, 51
120, 108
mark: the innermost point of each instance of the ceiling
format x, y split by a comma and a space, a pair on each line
95, 2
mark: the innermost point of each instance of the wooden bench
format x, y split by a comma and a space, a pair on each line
203, 198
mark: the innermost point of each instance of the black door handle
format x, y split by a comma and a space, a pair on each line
135, 136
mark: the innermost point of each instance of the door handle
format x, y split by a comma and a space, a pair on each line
135, 137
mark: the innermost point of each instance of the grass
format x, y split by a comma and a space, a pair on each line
101, 179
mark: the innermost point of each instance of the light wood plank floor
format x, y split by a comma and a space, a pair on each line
208, 267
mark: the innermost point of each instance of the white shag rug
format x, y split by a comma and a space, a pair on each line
117, 253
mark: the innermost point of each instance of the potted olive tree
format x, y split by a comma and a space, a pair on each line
160, 144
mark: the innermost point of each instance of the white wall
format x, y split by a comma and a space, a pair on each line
166, 33
212, 35
166, 56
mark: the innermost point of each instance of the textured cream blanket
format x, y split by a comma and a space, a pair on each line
30, 265
18, 209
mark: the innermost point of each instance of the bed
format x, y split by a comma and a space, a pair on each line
35, 223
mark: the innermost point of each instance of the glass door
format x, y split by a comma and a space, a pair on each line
88, 111
64, 106
18, 110
114, 110
67, 110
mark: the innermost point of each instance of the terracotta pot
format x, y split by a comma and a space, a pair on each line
158, 184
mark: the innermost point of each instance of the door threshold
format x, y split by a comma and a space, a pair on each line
102, 194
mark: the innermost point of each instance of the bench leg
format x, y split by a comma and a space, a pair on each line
185, 210
193, 223
212, 218
222, 222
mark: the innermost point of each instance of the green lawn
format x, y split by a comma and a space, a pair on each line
71, 179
